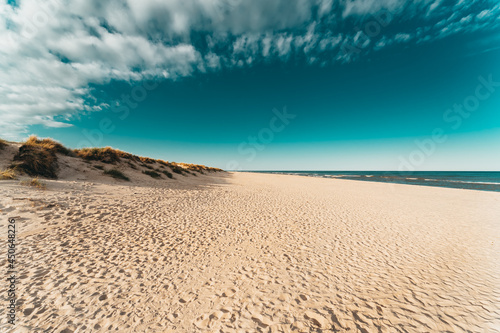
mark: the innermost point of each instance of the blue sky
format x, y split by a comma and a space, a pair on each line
287, 85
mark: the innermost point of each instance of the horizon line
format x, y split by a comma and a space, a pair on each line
362, 171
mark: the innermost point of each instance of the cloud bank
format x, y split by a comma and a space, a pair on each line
53, 50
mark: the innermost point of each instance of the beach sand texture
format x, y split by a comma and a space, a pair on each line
243, 252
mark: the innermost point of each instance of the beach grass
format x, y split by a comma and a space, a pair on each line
8, 174
152, 174
168, 174
115, 173
106, 155
177, 169
34, 182
38, 157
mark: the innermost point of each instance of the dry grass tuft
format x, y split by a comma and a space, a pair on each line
37, 158
48, 144
3, 144
7, 174
110, 155
35, 182
146, 160
190, 169
105, 155
163, 163
199, 168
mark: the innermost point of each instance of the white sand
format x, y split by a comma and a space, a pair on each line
253, 252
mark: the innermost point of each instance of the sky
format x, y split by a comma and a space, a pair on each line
259, 85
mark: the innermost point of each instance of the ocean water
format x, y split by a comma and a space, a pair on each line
472, 180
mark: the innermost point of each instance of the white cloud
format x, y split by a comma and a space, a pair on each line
402, 37
365, 7
433, 6
484, 14
51, 51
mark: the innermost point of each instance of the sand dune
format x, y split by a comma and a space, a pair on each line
238, 252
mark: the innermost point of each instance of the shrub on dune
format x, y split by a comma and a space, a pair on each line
37, 157
36, 160
115, 173
168, 174
152, 174
177, 169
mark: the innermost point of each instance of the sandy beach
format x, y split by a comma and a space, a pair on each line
243, 252
218, 166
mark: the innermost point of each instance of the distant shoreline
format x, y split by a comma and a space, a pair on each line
470, 180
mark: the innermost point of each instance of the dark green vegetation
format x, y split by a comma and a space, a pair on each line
168, 174
115, 173
153, 174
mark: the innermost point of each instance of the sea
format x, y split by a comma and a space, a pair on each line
471, 180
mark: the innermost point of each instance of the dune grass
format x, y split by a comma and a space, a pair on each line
115, 173
36, 161
168, 174
48, 144
152, 174
199, 168
146, 160
106, 155
112, 156
35, 182
7, 174
38, 157
177, 169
